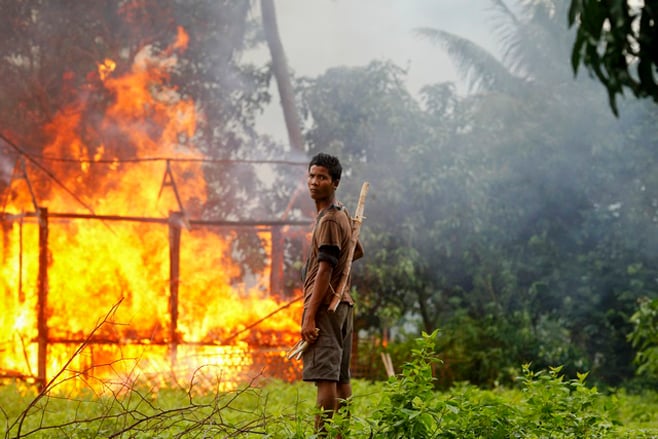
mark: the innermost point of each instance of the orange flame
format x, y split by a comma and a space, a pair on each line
105, 68
182, 39
93, 264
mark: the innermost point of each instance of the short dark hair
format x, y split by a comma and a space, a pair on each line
330, 162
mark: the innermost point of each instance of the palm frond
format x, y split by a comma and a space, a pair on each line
547, 39
501, 7
506, 25
480, 69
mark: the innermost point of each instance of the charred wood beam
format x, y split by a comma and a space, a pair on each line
144, 342
276, 269
42, 298
17, 376
220, 223
175, 221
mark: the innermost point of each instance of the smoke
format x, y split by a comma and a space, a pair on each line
5, 165
322, 34
530, 189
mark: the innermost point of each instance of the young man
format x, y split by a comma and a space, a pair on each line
327, 360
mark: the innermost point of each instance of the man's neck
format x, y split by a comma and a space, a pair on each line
323, 204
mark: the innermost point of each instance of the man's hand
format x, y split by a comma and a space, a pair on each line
309, 331
299, 348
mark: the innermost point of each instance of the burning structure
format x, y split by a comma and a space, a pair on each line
102, 248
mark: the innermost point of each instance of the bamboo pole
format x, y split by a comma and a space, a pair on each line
356, 230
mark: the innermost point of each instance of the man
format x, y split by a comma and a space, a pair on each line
327, 360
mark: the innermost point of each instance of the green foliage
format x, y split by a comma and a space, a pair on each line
556, 407
635, 412
545, 404
509, 217
484, 350
616, 41
410, 408
134, 412
644, 337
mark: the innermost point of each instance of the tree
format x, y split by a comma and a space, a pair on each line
554, 173
517, 219
618, 43
54, 48
52, 52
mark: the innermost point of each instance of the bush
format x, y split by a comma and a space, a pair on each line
548, 405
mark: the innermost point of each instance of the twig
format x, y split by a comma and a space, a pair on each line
44, 391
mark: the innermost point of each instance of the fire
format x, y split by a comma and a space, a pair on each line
94, 264
106, 68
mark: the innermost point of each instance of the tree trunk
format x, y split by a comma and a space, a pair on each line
280, 70
291, 117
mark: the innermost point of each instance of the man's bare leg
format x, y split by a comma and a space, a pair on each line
344, 391
327, 402
331, 396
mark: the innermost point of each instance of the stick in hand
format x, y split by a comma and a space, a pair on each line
298, 349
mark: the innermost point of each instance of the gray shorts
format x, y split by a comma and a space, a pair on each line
328, 359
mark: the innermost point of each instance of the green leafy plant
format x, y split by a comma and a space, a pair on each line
410, 408
544, 404
548, 405
558, 407
644, 337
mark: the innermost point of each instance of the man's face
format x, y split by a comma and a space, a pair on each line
320, 184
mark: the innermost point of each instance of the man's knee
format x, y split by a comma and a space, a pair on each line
327, 394
343, 391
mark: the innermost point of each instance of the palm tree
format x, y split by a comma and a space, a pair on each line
528, 39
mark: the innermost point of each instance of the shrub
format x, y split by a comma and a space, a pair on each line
547, 405
410, 407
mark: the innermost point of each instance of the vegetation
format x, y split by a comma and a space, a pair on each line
516, 218
542, 403
42, 72
644, 337
520, 218
617, 42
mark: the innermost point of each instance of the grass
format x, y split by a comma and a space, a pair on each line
275, 409
542, 404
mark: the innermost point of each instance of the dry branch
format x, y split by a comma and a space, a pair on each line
44, 391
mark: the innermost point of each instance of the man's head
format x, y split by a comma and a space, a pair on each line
330, 162
324, 173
